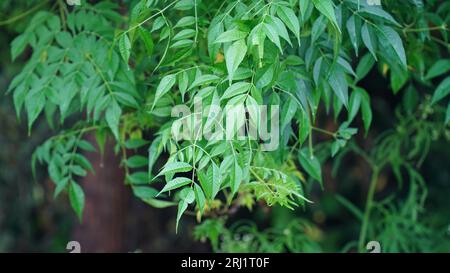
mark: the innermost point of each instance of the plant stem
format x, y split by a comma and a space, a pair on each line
323, 131
369, 204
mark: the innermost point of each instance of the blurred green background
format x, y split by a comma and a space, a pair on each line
32, 221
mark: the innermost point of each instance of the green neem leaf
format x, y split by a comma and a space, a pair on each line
146, 40
60, 186
164, 86
187, 196
327, 9
135, 143
389, 36
158, 24
378, 13
137, 161
182, 206
185, 22
112, 117
369, 39
210, 181
86, 145
77, 170
439, 68
125, 47
231, 36
351, 28
364, 66
184, 5
175, 167
184, 34
235, 89
183, 82
76, 196
182, 44
83, 162
277, 24
234, 56
257, 38
204, 80
34, 104
175, 184
354, 104
287, 15
304, 126
339, 85
153, 153
441, 91
366, 110
144, 192
139, 178
310, 164
159, 204
19, 44
235, 178
199, 197
272, 34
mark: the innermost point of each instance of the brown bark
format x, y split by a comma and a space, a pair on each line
103, 227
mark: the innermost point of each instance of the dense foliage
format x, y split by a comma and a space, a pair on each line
118, 69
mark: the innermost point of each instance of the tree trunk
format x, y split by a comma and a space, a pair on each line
103, 228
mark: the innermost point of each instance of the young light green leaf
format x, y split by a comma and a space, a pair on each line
175, 184
327, 9
187, 196
183, 82
272, 34
210, 181
281, 30
184, 34
235, 178
159, 204
19, 44
204, 80
185, 21
125, 47
164, 86
231, 36
235, 89
287, 15
234, 56
175, 167
199, 197
182, 206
